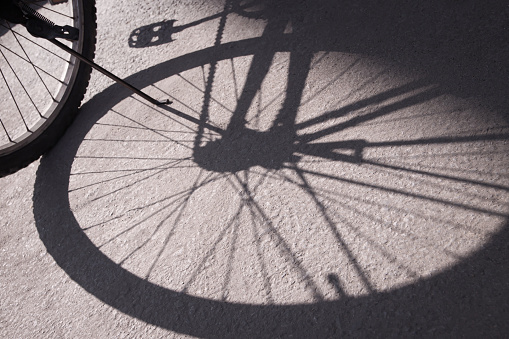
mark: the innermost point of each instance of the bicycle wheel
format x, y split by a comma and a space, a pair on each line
42, 87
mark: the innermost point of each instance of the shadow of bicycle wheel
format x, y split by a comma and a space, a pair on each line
469, 297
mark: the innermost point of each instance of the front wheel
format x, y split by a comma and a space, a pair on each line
42, 86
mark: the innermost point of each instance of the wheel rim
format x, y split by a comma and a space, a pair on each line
37, 77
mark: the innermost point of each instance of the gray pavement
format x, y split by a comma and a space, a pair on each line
325, 170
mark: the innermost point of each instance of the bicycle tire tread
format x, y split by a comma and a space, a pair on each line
23, 157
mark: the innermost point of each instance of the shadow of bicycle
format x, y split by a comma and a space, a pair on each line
304, 214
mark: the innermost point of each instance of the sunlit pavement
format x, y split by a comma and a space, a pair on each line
323, 171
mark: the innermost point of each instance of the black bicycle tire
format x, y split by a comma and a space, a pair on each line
56, 127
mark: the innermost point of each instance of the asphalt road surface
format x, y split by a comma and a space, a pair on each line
325, 170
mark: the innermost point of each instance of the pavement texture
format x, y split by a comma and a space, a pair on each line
325, 170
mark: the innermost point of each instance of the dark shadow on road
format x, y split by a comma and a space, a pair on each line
461, 47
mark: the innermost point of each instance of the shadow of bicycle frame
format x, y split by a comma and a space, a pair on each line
469, 299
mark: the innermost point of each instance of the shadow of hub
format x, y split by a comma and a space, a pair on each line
470, 298
246, 148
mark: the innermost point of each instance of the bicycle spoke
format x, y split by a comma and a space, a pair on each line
22, 86
14, 99
39, 68
51, 86
53, 11
5, 130
36, 44
35, 69
1, 122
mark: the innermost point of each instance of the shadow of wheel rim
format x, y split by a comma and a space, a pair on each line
478, 283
